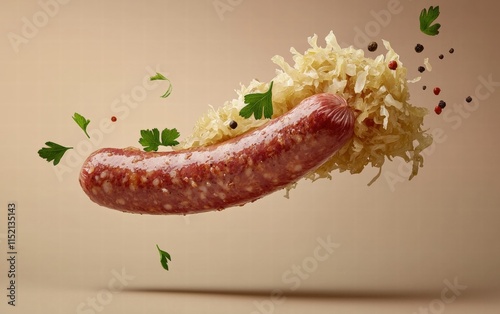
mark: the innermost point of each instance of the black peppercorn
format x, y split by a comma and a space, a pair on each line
233, 124
419, 48
372, 46
421, 69
468, 99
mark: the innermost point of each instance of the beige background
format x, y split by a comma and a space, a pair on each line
399, 242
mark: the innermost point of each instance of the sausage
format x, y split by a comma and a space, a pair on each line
235, 172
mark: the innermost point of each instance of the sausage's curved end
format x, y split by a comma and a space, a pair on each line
341, 114
88, 168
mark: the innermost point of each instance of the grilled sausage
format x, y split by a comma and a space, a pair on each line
237, 171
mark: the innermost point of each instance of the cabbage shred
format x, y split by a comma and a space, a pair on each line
386, 125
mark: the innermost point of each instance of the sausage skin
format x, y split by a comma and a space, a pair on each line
237, 171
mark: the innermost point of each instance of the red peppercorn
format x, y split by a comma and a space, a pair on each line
393, 65
113, 119
438, 110
437, 90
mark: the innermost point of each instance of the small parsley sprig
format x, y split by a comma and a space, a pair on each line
53, 152
258, 102
164, 258
426, 19
151, 139
82, 122
161, 77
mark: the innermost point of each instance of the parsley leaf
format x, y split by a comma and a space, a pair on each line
426, 19
82, 122
164, 258
256, 103
168, 137
161, 77
53, 152
158, 76
151, 139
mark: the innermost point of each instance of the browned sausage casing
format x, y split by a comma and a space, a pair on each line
240, 170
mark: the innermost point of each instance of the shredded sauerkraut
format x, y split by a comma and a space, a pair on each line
387, 125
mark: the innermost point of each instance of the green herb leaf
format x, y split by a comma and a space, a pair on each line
53, 152
168, 137
426, 19
161, 77
151, 140
158, 76
258, 102
164, 258
82, 122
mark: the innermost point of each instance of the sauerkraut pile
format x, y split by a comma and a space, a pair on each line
387, 125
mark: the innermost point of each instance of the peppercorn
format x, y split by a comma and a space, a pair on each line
442, 104
438, 110
424, 87
468, 99
441, 56
421, 69
437, 90
113, 119
233, 124
372, 46
393, 65
452, 50
419, 48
